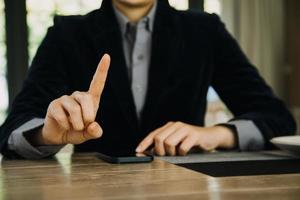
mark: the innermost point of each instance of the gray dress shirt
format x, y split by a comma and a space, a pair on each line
137, 51
137, 55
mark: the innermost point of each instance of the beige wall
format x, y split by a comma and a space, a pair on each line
258, 25
269, 33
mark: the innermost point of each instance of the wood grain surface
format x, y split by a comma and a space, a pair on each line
84, 176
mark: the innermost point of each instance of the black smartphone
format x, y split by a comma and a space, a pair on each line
124, 157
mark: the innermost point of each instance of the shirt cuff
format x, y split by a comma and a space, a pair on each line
250, 137
19, 144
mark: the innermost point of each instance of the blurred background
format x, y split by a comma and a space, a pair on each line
267, 30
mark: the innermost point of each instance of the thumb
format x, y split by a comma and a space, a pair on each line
93, 131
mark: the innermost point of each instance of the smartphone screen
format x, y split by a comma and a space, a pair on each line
124, 157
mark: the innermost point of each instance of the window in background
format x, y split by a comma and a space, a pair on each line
3, 83
213, 6
217, 112
179, 4
40, 16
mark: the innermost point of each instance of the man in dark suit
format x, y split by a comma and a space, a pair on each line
152, 84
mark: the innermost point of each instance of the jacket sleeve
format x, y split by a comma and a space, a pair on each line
18, 143
243, 90
46, 80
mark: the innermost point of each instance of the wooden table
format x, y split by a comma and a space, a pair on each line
84, 176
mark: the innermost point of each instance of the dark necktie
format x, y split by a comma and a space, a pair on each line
131, 30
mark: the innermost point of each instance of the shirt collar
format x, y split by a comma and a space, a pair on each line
123, 20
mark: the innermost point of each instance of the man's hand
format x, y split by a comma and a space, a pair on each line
177, 138
71, 119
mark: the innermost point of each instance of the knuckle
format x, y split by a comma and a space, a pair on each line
64, 97
158, 139
52, 105
76, 93
55, 103
79, 96
169, 143
170, 122
183, 150
178, 123
187, 130
60, 119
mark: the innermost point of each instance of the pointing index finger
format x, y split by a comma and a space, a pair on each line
147, 142
99, 78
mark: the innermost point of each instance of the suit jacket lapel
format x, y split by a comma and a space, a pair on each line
107, 39
165, 43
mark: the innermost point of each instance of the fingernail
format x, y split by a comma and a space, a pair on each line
138, 149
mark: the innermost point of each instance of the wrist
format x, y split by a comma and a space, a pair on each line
227, 138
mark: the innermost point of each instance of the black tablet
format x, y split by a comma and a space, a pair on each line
125, 157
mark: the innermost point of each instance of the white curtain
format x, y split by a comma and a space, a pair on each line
258, 25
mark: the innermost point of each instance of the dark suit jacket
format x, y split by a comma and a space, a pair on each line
190, 52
